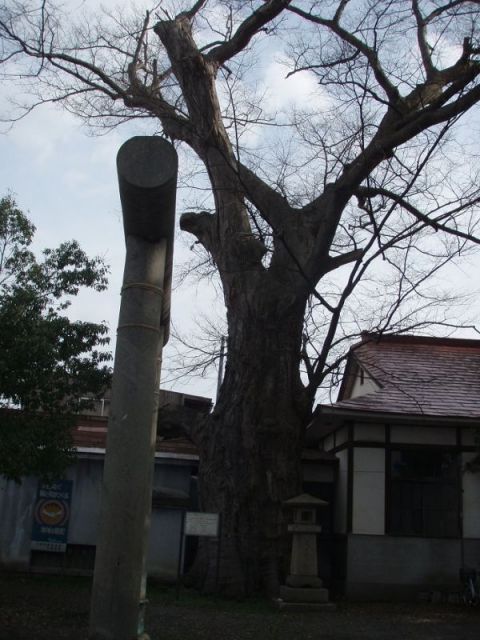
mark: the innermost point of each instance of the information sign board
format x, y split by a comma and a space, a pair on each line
198, 523
51, 516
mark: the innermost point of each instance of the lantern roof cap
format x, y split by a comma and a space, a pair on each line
305, 500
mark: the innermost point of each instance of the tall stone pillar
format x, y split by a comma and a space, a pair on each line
147, 170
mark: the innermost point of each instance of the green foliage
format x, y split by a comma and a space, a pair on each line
47, 361
34, 444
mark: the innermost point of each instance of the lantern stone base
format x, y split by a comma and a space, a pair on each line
296, 580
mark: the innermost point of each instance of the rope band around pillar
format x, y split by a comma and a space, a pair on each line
139, 325
142, 285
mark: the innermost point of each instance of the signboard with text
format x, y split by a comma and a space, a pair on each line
201, 524
51, 516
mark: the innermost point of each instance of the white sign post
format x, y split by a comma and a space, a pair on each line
200, 524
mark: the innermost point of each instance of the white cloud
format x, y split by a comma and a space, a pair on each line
299, 90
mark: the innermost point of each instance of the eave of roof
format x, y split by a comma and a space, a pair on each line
328, 418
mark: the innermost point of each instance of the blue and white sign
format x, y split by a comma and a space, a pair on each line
51, 516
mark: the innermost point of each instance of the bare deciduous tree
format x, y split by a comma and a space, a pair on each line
373, 171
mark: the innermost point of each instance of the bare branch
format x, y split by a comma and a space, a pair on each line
390, 90
266, 199
435, 223
195, 8
438, 11
247, 30
335, 262
425, 49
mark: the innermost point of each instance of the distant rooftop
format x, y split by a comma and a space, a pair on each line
414, 375
101, 406
90, 434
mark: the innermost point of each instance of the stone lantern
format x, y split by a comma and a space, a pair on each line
303, 585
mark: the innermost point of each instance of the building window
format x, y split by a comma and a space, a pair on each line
424, 493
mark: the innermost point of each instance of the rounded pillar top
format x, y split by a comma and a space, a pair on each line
147, 174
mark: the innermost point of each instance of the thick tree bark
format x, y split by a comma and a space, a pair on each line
250, 450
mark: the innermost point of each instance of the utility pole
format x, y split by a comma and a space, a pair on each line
220, 366
147, 174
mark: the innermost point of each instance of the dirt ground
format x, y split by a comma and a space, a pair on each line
41, 608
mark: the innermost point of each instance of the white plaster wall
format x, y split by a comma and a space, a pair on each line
369, 432
423, 435
368, 509
397, 567
329, 443
360, 388
341, 493
341, 436
471, 500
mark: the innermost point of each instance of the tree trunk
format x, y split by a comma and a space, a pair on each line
250, 451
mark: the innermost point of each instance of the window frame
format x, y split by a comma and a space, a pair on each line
454, 482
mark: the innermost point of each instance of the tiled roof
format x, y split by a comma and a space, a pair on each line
417, 376
177, 446
91, 433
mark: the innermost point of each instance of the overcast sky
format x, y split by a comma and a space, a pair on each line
66, 182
